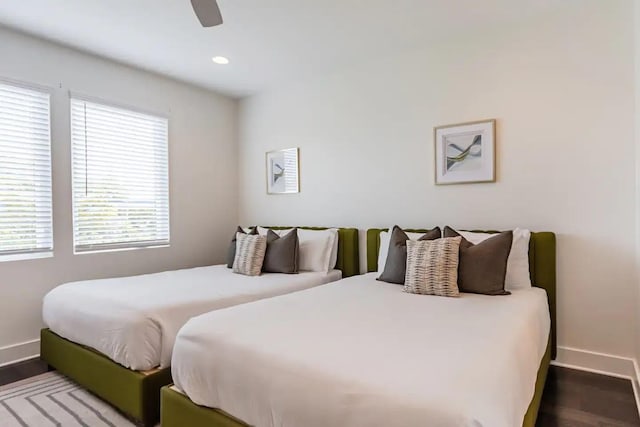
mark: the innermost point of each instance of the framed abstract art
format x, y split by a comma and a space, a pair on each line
465, 152
283, 171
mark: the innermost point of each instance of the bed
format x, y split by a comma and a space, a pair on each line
115, 336
270, 373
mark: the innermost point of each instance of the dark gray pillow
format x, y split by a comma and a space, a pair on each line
483, 267
231, 252
396, 266
282, 253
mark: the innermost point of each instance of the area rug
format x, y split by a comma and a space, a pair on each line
51, 399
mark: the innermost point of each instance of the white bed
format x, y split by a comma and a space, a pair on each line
134, 320
362, 353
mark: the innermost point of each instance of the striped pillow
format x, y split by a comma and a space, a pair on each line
250, 250
432, 267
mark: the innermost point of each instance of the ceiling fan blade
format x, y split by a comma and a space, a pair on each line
207, 12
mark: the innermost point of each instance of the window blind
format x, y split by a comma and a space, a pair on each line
120, 177
25, 171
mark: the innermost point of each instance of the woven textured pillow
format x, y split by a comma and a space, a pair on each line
231, 252
250, 250
432, 267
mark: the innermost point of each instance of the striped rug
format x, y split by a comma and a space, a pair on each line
51, 399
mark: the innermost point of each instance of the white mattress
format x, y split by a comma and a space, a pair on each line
362, 353
134, 320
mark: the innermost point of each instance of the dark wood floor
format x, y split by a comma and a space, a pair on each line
22, 370
579, 399
571, 398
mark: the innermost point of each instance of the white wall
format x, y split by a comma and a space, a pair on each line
202, 156
637, 156
562, 90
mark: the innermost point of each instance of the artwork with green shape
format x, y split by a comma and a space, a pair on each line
464, 151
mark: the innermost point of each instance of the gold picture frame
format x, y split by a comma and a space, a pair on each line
283, 171
465, 153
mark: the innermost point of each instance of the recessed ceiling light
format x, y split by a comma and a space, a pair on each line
220, 60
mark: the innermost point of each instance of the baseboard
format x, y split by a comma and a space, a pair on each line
636, 386
18, 352
568, 357
584, 360
599, 363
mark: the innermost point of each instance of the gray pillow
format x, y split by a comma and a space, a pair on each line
396, 266
231, 252
282, 253
482, 268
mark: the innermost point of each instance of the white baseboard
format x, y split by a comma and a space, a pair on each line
635, 383
599, 363
584, 360
18, 352
568, 357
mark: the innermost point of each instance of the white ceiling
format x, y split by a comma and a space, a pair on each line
267, 41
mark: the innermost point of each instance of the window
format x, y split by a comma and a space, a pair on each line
120, 178
25, 172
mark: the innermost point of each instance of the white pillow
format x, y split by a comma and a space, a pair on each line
383, 252
318, 249
333, 260
263, 231
518, 276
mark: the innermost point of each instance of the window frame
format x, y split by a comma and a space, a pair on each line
36, 253
124, 246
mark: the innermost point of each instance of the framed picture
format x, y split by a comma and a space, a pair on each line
283, 173
466, 152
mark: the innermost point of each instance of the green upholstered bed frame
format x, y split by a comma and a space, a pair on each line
542, 265
542, 268
134, 393
137, 394
177, 410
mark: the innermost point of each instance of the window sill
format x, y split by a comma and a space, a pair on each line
25, 257
100, 251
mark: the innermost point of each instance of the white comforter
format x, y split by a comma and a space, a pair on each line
134, 320
362, 353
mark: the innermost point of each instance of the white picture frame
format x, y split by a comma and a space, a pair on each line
283, 171
465, 153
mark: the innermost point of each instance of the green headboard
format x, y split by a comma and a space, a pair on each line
542, 266
348, 248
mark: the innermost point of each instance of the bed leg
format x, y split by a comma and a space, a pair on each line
49, 367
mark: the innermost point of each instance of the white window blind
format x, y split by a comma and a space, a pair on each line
25, 171
120, 177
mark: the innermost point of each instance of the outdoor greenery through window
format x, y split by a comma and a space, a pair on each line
120, 177
25, 171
